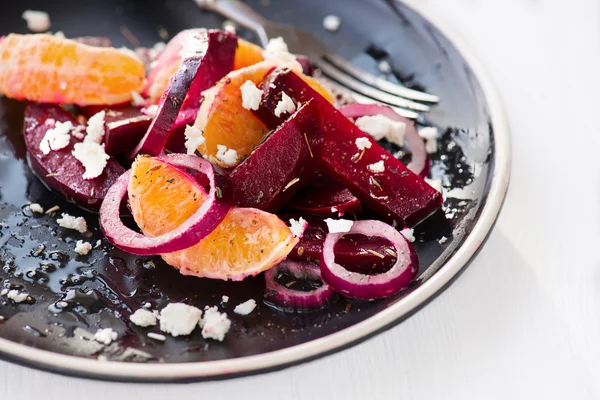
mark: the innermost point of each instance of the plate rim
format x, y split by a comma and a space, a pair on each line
223, 369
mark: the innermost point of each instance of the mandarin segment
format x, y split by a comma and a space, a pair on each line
247, 54
247, 242
46, 68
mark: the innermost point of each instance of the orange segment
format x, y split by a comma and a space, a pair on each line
49, 69
223, 119
247, 54
247, 242
313, 83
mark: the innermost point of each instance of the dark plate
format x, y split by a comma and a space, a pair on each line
102, 289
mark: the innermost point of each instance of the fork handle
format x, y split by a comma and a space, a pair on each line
240, 13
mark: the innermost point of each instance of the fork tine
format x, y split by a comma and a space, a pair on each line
379, 83
367, 100
340, 77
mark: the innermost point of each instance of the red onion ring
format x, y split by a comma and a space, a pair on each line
290, 300
361, 286
419, 163
194, 229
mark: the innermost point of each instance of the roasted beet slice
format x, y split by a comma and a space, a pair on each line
355, 252
324, 196
274, 172
59, 169
392, 190
197, 71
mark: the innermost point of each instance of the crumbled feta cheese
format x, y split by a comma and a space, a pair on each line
435, 183
376, 167
37, 21
17, 297
363, 143
95, 127
62, 304
92, 156
429, 133
36, 208
409, 234
77, 132
285, 105
275, 45
83, 248
4, 292
227, 156
56, 138
298, 227
442, 240
59, 35
156, 49
98, 243
277, 51
224, 299
137, 100
380, 127
179, 319
384, 66
143, 318
251, 96
332, 23
431, 146
147, 305
338, 225
157, 336
69, 222
245, 308
215, 325
193, 138
150, 110
229, 26
105, 336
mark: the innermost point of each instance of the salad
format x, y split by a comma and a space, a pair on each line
226, 160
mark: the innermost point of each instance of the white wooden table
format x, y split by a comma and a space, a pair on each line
523, 322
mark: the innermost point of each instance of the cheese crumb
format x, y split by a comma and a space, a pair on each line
430, 134
377, 167
83, 248
147, 305
380, 127
157, 336
285, 105
442, 240
98, 243
384, 66
37, 21
277, 51
36, 208
193, 138
17, 297
431, 146
224, 299
143, 318
69, 222
215, 325
251, 96
363, 143
150, 110
4, 292
179, 319
137, 100
105, 336
226, 156
339, 225
435, 183
56, 138
245, 308
409, 234
92, 156
95, 127
298, 227
332, 23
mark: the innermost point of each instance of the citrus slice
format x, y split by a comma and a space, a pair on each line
247, 54
247, 242
51, 69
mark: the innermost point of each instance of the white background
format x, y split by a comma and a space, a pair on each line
523, 322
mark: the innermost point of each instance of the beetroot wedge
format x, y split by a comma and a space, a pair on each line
324, 196
379, 180
274, 172
59, 169
197, 71
355, 252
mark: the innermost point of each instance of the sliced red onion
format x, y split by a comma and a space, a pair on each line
194, 229
419, 163
290, 300
361, 286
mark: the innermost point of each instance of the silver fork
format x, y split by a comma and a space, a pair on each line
365, 87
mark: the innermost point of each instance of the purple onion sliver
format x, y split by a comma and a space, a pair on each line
290, 300
197, 227
361, 286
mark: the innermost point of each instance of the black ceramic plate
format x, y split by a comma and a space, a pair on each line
102, 289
